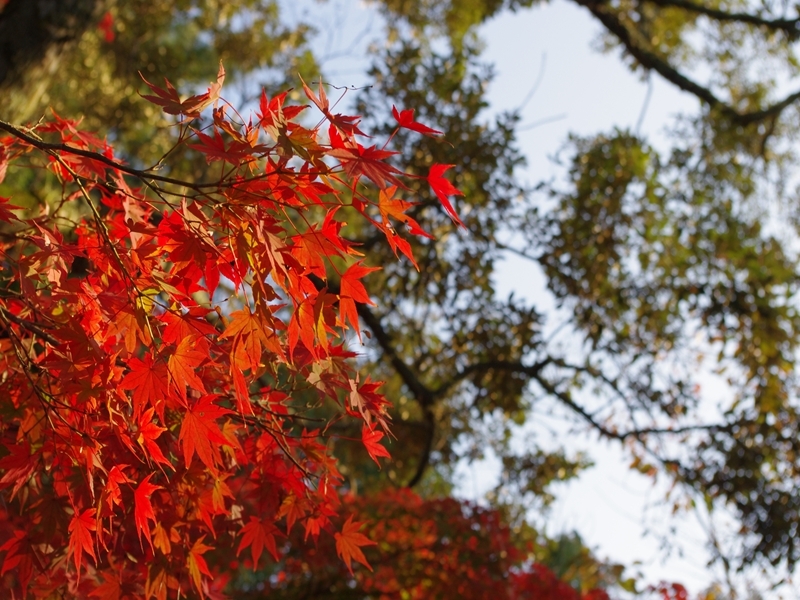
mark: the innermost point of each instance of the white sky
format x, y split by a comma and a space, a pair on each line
619, 513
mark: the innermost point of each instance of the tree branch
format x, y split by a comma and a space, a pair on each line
651, 61
501, 365
424, 395
787, 26
144, 175
534, 371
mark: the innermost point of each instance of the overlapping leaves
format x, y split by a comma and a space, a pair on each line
159, 352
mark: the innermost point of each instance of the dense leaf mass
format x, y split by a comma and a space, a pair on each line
438, 548
164, 342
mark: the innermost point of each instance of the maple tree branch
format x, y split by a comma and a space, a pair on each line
143, 175
49, 147
638, 433
534, 372
32, 327
651, 61
276, 435
425, 457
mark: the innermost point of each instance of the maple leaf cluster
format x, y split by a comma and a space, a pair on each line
428, 548
159, 353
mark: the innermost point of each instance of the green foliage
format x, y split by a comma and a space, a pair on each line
180, 41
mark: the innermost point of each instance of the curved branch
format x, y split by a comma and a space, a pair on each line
424, 395
651, 61
534, 372
425, 457
790, 27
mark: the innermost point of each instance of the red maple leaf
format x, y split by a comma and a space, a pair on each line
147, 380
352, 287
258, 535
200, 432
6, 214
18, 466
148, 433
371, 438
443, 188
169, 100
143, 509
349, 542
351, 290
189, 355
274, 112
369, 162
406, 119
113, 494
80, 536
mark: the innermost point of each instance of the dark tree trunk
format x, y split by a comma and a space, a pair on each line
34, 36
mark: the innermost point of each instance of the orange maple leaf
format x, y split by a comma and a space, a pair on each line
197, 564
111, 589
251, 334
189, 355
349, 542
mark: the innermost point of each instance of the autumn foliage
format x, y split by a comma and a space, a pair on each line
157, 335
427, 548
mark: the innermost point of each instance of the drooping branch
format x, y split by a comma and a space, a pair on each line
652, 61
790, 27
144, 175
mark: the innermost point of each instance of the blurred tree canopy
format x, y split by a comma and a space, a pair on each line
668, 267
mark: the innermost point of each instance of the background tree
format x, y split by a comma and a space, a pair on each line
660, 260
